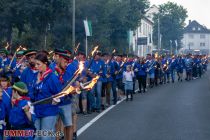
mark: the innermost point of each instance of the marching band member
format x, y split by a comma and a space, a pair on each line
65, 108
173, 65
46, 85
21, 116
166, 73
2, 116
150, 69
29, 74
6, 97
107, 80
180, 68
141, 75
119, 68
188, 67
97, 69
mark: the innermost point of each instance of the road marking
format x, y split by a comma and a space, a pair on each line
91, 122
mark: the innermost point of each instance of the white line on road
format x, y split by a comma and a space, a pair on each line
91, 122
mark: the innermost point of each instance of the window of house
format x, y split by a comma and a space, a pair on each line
193, 28
202, 44
202, 36
191, 36
199, 28
191, 44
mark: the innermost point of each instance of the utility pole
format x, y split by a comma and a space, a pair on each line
73, 23
158, 33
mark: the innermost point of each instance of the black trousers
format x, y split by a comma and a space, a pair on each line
142, 82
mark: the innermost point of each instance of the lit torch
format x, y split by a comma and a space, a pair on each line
7, 46
92, 83
94, 50
20, 47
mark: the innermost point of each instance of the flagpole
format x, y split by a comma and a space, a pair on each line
171, 47
86, 46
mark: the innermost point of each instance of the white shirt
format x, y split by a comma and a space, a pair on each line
128, 76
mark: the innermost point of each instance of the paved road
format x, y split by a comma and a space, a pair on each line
179, 111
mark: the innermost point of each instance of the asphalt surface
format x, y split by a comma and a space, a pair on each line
179, 111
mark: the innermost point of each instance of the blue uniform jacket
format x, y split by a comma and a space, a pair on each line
140, 69
108, 69
97, 67
117, 68
46, 88
2, 116
7, 95
66, 77
29, 76
18, 118
150, 66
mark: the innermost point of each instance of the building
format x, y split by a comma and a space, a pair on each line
196, 39
142, 38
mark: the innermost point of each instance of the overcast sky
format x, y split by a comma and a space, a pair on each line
197, 9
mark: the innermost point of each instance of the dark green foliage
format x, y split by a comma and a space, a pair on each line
27, 22
171, 17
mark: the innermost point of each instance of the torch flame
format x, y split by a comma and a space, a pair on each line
92, 83
24, 48
156, 55
50, 52
81, 67
95, 49
7, 46
18, 48
66, 92
75, 50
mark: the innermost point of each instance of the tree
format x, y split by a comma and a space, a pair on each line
171, 19
27, 22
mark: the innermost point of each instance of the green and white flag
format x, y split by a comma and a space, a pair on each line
88, 28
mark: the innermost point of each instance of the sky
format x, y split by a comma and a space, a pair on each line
198, 10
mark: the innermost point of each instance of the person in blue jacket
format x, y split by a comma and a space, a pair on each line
19, 65
151, 69
2, 116
180, 68
65, 107
56, 56
29, 74
141, 75
6, 96
21, 116
119, 68
172, 68
188, 67
97, 68
47, 84
107, 80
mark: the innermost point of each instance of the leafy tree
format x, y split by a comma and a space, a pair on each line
171, 20
29, 22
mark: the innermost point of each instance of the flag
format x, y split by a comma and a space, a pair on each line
88, 28
176, 43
